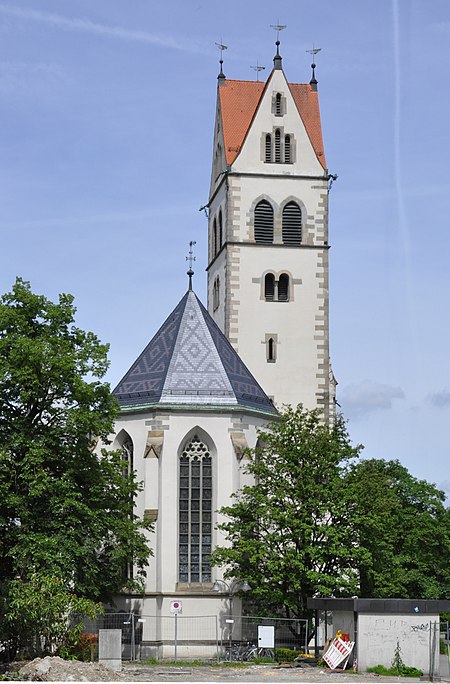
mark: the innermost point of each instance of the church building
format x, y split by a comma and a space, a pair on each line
194, 399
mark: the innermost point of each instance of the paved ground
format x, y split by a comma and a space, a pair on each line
252, 673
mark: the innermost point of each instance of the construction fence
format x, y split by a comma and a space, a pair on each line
205, 638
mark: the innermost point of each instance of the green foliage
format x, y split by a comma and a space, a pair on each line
36, 614
403, 527
285, 655
64, 511
288, 533
407, 671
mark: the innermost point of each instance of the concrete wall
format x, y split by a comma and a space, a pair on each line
378, 636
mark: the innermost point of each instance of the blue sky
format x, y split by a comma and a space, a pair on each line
107, 109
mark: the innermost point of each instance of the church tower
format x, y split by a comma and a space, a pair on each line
268, 235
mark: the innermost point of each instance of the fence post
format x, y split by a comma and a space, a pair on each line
176, 637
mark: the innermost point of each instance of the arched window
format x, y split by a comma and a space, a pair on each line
220, 229
268, 157
264, 223
287, 149
278, 145
292, 224
283, 288
216, 294
214, 246
271, 350
278, 104
127, 455
269, 287
195, 512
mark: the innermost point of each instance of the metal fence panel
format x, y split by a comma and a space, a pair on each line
238, 634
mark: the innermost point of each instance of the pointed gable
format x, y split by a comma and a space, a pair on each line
307, 102
239, 101
189, 362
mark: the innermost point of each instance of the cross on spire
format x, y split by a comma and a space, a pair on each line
191, 259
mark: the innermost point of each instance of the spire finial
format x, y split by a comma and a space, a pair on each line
221, 47
277, 59
313, 53
191, 259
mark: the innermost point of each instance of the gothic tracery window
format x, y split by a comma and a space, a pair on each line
195, 512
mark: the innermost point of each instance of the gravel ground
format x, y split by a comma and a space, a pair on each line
252, 673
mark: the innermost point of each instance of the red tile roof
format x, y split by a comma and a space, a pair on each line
239, 101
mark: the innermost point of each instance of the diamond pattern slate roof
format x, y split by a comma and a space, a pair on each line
190, 362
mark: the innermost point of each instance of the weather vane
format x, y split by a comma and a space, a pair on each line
221, 47
257, 68
278, 27
313, 53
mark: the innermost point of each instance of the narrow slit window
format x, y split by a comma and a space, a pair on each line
264, 223
283, 288
269, 287
278, 146
220, 229
215, 238
271, 350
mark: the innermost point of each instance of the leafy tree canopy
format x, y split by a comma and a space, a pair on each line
288, 533
404, 527
63, 510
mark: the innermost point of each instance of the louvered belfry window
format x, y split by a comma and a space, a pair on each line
268, 153
278, 145
287, 149
292, 224
269, 287
264, 223
278, 104
283, 288
195, 512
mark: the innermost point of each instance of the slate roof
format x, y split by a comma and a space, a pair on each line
239, 101
189, 362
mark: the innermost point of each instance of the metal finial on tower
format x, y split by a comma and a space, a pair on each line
221, 47
313, 53
277, 59
191, 259
257, 68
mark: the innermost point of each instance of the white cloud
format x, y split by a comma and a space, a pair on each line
361, 399
88, 26
440, 399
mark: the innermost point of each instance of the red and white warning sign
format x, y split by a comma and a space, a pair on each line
175, 607
337, 651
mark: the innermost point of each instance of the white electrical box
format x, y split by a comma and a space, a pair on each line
266, 636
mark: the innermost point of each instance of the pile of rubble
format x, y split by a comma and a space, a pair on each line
55, 669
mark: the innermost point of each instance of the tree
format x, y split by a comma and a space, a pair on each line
64, 511
288, 533
404, 527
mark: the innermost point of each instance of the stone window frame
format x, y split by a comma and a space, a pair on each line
192, 533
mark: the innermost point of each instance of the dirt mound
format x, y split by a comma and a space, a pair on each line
58, 670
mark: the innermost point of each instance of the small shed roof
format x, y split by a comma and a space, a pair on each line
380, 606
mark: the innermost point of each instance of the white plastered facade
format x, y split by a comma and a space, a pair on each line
223, 431
299, 327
